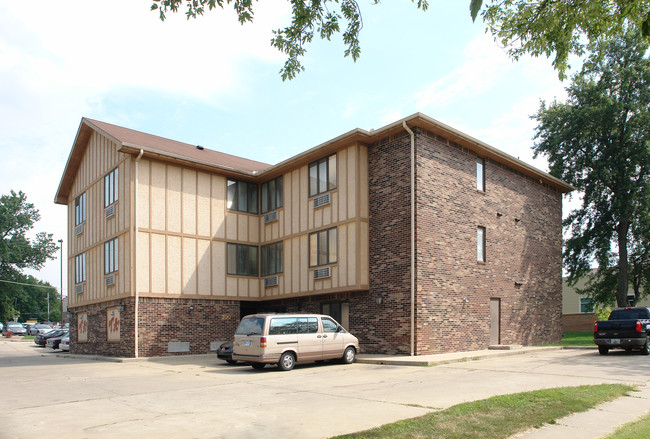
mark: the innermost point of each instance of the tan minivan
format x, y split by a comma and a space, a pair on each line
287, 339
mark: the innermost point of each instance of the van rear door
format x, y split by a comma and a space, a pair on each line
247, 336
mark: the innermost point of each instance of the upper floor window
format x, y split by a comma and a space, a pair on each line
80, 268
322, 175
322, 247
111, 187
111, 256
480, 244
271, 257
480, 174
242, 196
80, 209
242, 260
271, 194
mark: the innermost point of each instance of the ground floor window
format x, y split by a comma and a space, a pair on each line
586, 305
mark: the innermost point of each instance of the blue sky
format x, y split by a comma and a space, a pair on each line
215, 83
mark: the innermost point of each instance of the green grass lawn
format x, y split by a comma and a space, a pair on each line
578, 339
633, 430
500, 416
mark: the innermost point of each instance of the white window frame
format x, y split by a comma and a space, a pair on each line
111, 187
80, 209
111, 256
481, 244
80, 268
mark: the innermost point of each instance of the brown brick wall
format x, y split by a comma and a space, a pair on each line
162, 321
386, 328
522, 218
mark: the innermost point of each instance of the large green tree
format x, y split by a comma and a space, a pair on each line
556, 28
18, 251
599, 141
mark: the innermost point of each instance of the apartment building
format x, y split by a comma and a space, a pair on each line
416, 237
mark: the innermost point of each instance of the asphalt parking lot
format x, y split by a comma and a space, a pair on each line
46, 395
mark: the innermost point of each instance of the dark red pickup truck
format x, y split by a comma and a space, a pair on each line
626, 328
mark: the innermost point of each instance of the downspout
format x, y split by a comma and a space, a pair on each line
136, 324
408, 130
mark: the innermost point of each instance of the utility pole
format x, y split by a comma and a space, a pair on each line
61, 290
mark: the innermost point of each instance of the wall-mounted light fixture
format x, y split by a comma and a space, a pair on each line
191, 308
517, 220
120, 308
499, 214
465, 300
519, 283
379, 299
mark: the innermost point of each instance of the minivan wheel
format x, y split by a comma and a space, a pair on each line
258, 365
349, 355
287, 361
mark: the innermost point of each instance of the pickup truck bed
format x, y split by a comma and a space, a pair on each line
627, 328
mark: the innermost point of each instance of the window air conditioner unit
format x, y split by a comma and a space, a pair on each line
270, 217
110, 280
271, 282
79, 288
109, 211
322, 273
78, 230
322, 200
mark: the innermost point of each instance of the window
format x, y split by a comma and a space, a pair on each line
586, 305
322, 175
322, 247
242, 260
110, 188
480, 174
271, 256
329, 325
480, 244
80, 209
111, 259
272, 194
242, 196
80, 268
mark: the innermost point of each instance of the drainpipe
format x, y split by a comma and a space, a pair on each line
135, 244
408, 130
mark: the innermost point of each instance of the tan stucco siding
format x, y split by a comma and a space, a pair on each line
100, 158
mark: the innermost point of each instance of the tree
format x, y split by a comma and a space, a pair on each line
543, 27
599, 141
560, 27
18, 251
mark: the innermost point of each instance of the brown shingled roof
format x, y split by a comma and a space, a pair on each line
138, 139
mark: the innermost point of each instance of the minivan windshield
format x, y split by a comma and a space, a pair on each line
250, 326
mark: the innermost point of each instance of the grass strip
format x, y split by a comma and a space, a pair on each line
499, 416
634, 430
578, 339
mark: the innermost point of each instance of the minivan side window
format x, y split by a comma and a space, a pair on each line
283, 326
307, 325
329, 325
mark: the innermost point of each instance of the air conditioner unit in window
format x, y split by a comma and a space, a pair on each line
322, 200
78, 230
79, 288
110, 280
322, 273
270, 217
271, 281
109, 211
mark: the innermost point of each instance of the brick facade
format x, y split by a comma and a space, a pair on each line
162, 320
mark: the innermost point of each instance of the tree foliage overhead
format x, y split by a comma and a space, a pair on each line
560, 28
599, 141
556, 28
17, 250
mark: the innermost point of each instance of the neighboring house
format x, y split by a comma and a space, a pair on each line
416, 237
578, 311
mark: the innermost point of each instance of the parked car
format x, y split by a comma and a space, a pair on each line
41, 339
65, 343
14, 328
287, 339
54, 342
40, 328
626, 328
225, 352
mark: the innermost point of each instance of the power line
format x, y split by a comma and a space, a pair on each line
29, 285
